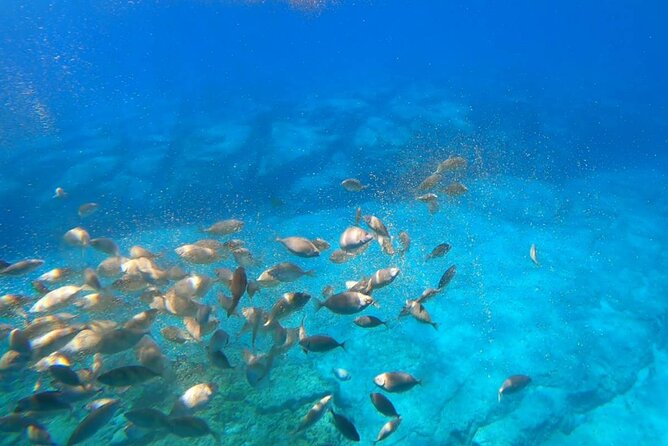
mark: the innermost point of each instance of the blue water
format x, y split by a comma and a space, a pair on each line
174, 115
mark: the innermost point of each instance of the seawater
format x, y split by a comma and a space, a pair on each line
175, 115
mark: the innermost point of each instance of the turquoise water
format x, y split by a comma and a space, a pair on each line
172, 117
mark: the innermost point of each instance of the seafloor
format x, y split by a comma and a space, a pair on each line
588, 324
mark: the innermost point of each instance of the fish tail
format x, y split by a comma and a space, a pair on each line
343, 345
318, 304
216, 437
435, 325
310, 273
500, 395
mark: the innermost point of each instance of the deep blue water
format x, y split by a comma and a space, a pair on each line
174, 115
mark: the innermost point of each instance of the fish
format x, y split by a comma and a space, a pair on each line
345, 426
137, 252
12, 361
384, 277
383, 405
321, 244
238, 288
38, 434
87, 209
59, 193
127, 376
388, 429
447, 277
84, 343
439, 251
430, 182
105, 245
210, 243
431, 200
299, 246
353, 238
244, 257
198, 255
396, 382
111, 267
320, 344
419, 312
219, 359
56, 275
147, 418
455, 189
15, 422
358, 216
203, 314
194, 399
353, 185
176, 335
91, 280
386, 245
56, 299
224, 275
98, 302
405, 242
48, 401
424, 297
189, 426
341, 374
96, 404
44, 324
327, 291
65, 375
149, 355
77, 237
5, 329
218, 340
141, 321
283, 272
451, 164
314, 414
513, 384
376, 225
21, 267
130, 283
118, 340
348, 302
257, 366
364, 286
196, 329
341, 256
11, 304
93, 422
225, 227
533, 254
19, 341
368, 322
255, 319
288, 304
193, 286
53, 340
